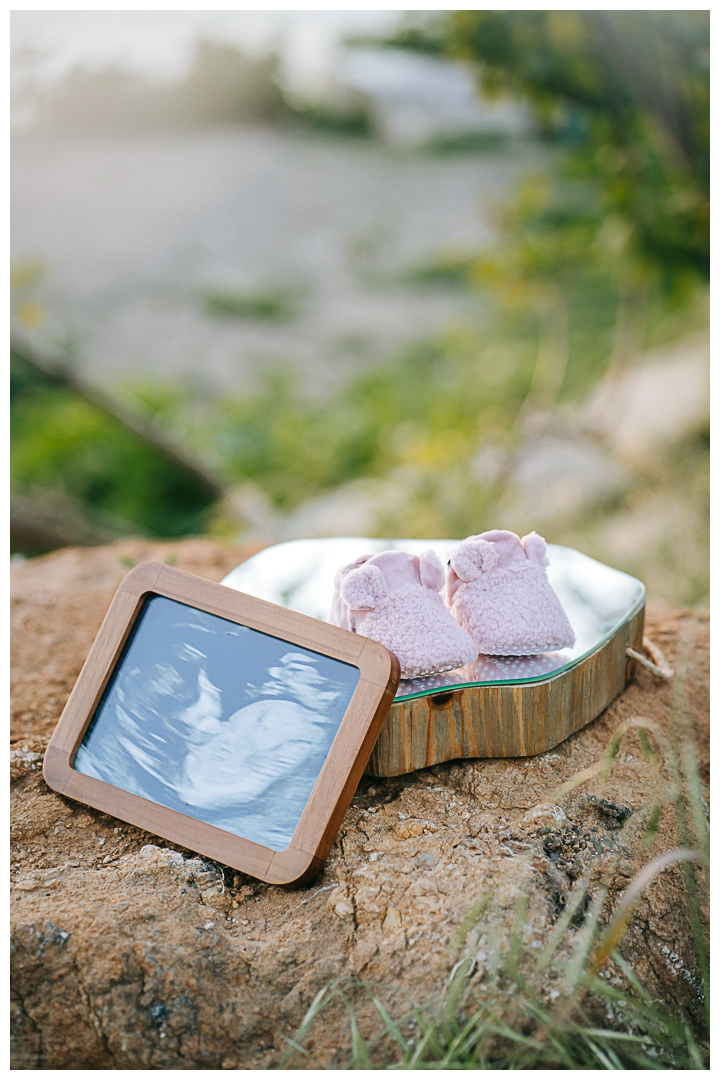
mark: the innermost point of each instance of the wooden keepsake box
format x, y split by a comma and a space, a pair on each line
497, 706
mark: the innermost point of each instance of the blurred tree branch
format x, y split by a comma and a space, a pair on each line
61, 374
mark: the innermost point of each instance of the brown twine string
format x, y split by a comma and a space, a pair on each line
658, 665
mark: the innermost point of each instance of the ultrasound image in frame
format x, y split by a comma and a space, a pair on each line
221, 722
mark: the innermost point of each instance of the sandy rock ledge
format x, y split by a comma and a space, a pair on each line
130, 954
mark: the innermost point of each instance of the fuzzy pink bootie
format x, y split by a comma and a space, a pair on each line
497, 589
393, 598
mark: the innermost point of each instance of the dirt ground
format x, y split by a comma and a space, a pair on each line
131, 953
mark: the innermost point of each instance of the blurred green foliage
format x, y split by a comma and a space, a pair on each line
352, 120
449, 269
273, 304
430, 407
61, 441
468, 142
628, 93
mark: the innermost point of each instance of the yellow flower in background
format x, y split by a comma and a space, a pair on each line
31, 314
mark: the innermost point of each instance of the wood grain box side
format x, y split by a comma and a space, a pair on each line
518, 720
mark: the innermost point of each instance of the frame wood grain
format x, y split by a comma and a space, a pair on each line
340, 773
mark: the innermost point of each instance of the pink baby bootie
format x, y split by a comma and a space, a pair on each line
497, 589
393, 598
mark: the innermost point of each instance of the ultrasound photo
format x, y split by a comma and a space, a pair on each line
221, 722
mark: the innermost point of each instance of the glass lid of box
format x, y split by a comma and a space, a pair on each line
299, 575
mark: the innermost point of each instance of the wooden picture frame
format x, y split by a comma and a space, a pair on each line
346, 759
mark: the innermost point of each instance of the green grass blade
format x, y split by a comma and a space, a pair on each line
571, 908
390, 1025
319, 1001
584, 942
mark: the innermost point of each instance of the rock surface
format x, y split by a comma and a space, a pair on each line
128, 953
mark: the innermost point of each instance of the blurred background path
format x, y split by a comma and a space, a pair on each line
135, 233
